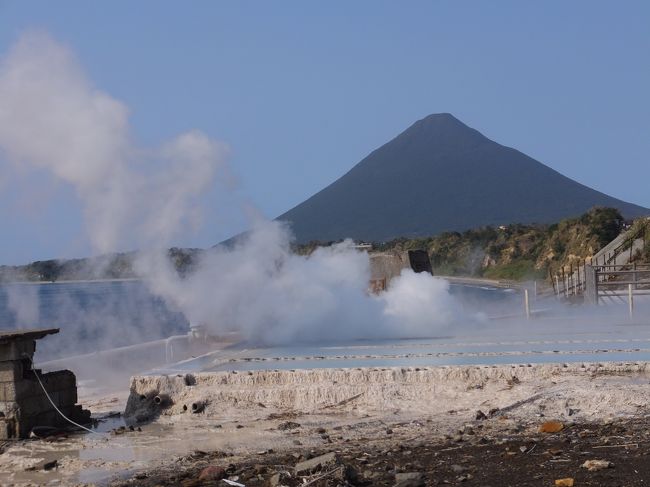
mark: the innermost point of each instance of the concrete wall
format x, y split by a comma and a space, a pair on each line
23, 404
384, 266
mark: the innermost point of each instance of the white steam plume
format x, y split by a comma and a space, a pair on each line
22, 301
262, 290
52, 118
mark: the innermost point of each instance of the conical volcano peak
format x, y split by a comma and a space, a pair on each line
440, 118
442, 129
441, 175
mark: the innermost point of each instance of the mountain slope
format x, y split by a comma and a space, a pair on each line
441, 175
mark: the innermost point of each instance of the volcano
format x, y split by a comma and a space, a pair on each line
441, 175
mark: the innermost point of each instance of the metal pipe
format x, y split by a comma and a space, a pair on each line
162, 400
169, 349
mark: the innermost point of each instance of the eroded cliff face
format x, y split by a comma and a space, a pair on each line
425, 391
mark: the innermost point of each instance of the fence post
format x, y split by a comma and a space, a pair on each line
526, 304
591, 284
630, 297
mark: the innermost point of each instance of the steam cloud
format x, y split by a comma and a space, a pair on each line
53, 119
267, 293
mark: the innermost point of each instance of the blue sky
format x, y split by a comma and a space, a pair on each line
301, 91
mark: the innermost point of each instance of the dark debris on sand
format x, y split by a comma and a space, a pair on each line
474, 456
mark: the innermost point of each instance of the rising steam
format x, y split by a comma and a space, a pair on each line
53, 119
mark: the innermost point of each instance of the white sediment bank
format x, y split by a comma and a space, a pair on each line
588, 389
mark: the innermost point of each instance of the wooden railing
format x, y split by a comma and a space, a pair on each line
616, 283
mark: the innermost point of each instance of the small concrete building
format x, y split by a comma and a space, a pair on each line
23, 403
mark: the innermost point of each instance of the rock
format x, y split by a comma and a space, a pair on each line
595, 465
457, 469
275, 480
551, 427
568, 482
43, 465
409, 479
351, 474
493, 412
212, 472
480, 415
191, 483
370, 474
321, 431
316, 463
44, 431
288, 425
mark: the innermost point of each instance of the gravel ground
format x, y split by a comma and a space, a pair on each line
488, 451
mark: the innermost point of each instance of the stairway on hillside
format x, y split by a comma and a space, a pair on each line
619, 252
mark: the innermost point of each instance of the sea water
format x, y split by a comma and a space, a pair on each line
94, 315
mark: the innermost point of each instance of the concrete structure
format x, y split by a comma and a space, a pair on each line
23, 403
384, 266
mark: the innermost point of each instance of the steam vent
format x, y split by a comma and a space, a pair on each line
23, 404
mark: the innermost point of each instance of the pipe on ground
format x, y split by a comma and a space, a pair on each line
162, 400
197, 407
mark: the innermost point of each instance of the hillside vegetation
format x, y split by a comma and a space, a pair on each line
515, 251
113, 266
507, 252
520, 251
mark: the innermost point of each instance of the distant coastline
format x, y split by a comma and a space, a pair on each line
480, 281
73, 281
